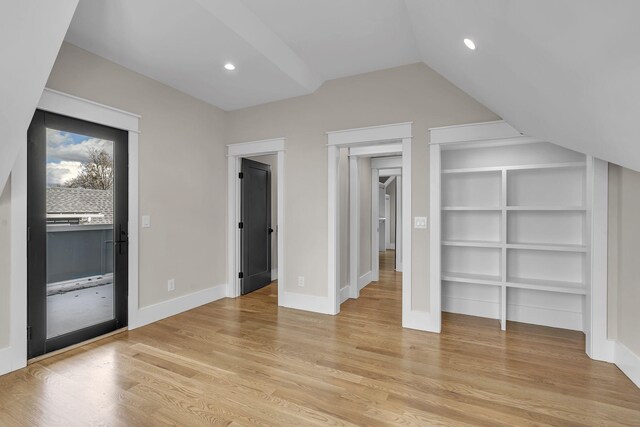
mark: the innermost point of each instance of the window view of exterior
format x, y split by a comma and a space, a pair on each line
79, 232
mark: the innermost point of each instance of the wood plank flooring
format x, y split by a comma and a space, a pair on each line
247, 362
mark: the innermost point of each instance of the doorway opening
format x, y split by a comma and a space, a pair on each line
390, 217
369, 151
255, 218
258, 216
77, 231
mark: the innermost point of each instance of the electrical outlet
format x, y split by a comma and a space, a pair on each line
420, 222
301, 281
171, 285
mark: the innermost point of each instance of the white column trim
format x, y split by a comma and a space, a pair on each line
597, 345
435, 322
375, 225
354, 218
15, 356
333, 285
410, 318
399, 229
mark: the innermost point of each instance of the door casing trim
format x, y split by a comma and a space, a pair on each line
15, 356
235, 153
391, 140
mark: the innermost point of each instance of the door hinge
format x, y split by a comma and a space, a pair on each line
241, 225
240, 175
28, 234
240, 275
28, 333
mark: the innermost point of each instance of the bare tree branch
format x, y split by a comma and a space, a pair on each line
95, 174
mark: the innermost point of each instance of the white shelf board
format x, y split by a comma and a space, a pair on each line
569, 165
472, 243
545, 208
547, 285
547, 247
517, 283
471, 208
482, 279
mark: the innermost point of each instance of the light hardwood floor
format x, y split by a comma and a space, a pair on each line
248, 362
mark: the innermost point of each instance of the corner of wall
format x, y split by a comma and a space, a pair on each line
628, 362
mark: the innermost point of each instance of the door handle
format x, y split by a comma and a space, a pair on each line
270, 230
123, 239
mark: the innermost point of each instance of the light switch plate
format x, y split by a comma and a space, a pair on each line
146, 221
420, 222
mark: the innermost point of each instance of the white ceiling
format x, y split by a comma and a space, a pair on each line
567, 71
564, 71
339, 38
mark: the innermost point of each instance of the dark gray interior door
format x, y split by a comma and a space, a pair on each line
255, 226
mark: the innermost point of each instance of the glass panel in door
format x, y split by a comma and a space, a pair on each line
80, 233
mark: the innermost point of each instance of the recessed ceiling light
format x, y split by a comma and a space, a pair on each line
470, 44
229, 66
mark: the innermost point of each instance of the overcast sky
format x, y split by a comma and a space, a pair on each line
67, 151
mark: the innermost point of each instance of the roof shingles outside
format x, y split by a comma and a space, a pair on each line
78, 201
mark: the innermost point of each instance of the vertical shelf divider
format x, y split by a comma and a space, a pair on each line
503, 308
503, 261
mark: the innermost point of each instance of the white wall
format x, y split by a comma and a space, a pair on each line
364, 172
5, 263
272, 160
182, 172
409, 93
624, 257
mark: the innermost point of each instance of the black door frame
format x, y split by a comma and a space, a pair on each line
37, 343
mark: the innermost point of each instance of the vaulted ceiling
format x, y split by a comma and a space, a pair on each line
567, 71
31, 33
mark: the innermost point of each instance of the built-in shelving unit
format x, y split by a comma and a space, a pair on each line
514, 231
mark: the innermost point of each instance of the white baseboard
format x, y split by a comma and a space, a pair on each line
344, 294
274, 274
471, 307
6, 360
628, 362
364, 280
545, 317
604, 352
420, 320
305, 302
11, 360
515, 312
153, 313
